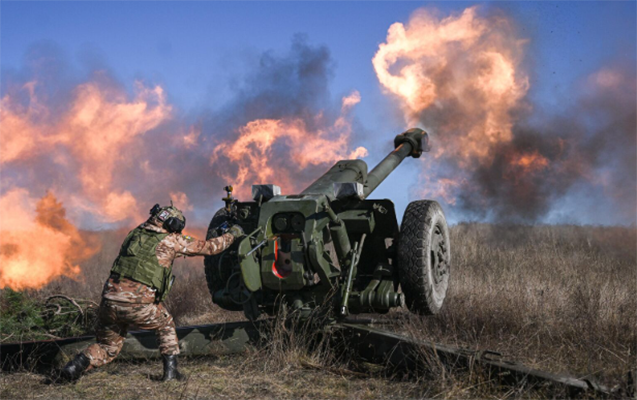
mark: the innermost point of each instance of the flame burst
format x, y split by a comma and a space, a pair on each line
80, 155
97, 148
87, 143
108, 156
256, 157
97, 130
461, 76
37, 247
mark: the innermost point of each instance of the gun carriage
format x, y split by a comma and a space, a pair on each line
331, 244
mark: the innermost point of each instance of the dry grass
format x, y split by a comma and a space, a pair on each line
219, 378
559, 298
189, 301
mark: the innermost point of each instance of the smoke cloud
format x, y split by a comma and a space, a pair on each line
81, 149
463, 77
106, 154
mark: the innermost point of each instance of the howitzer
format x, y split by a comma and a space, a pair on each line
331, 244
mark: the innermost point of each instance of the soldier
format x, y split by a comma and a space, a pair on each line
140, 280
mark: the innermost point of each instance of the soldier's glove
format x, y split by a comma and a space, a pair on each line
236, 231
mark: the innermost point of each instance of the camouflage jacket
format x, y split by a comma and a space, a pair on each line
174, 245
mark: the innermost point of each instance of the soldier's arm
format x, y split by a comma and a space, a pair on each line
189, 246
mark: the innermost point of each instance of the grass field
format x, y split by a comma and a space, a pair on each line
558, 298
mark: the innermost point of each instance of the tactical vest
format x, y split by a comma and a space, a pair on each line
137, 260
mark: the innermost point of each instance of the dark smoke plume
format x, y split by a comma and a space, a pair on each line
464, 78
109, 154
591, 145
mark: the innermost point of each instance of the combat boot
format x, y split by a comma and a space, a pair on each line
74, 369
170, 369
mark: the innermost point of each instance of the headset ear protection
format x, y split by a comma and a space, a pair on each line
171, 224
174, 225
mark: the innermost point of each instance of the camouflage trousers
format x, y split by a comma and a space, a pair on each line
113, 321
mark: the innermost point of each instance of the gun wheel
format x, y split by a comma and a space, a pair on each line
217, 268
424, 257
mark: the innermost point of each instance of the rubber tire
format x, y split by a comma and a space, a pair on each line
217, 277
423, 223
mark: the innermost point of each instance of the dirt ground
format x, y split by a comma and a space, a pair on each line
210, 377
253, 376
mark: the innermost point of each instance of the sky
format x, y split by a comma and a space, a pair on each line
200, 52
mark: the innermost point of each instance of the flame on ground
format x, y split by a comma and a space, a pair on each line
81, 156
38, 247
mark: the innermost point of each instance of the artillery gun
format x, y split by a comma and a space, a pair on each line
331, 244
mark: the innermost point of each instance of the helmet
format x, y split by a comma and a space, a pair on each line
169, 218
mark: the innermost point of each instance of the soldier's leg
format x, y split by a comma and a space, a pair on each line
110, 334
110, 338
157, 318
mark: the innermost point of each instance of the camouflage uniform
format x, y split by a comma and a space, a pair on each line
126, 302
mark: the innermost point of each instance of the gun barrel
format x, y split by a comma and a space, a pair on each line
410, 143
342, 171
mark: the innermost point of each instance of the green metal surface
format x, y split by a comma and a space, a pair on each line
343, 171
302, 254
289, 246
250, 271
404, 148
359, 221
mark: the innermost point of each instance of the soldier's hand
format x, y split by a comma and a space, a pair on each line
236, 231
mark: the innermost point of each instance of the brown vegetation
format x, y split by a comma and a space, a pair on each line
559, 298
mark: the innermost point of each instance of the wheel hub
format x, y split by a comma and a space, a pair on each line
439, 267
